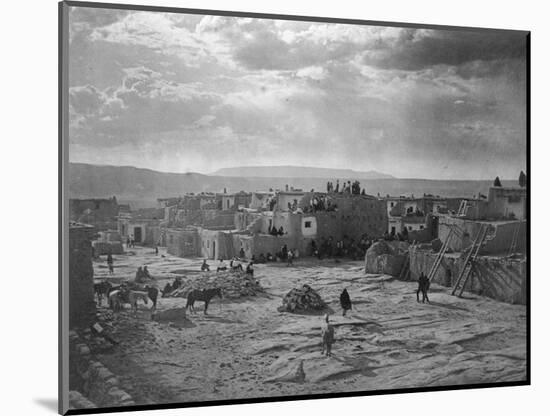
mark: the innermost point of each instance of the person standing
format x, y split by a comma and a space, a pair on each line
110, 263
345, 301
327, 336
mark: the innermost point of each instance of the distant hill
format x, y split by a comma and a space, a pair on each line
298, 172
141, 187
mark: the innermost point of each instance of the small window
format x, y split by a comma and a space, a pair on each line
421, 227
307, 224
410, 228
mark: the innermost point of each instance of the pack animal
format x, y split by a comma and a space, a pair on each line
134, 296
102, 289
153, 294
204, 295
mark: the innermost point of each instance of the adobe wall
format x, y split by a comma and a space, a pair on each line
82, 305
500, 244
495, 277
182, 243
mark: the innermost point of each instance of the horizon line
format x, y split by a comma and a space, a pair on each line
276, 166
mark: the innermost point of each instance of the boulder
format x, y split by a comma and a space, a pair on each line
293, 374
386, 257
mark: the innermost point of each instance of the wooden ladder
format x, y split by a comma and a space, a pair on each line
406, 269
440, 254
514, 244
468, 265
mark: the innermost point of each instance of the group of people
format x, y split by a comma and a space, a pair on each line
321, 203
346, 247
276, 232
130, 242
142, 275
234, 265
347, 187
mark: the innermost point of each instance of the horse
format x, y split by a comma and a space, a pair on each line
204, 295
152, 293
102, 289
115, 300
134, 296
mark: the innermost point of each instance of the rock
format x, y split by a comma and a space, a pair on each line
386, 257
293, 374
78, 401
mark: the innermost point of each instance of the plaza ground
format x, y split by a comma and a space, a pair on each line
245, 348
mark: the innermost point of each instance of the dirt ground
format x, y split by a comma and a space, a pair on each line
246, 348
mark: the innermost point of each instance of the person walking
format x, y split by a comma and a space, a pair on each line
327, 336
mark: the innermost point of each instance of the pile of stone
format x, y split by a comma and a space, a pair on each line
303, 299
233, 284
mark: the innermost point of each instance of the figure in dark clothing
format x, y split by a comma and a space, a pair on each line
284, 252
156, 251
146, 273
337, 185
274, 232
249, 269
110, 263
423, 286
345, 301
177, 283
241, 253
139, 275
204, 266
281, 231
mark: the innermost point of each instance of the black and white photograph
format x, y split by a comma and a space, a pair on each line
259, 208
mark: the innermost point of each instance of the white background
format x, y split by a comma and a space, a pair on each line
28, 217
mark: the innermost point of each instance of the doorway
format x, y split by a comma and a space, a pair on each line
214, 250
137, 234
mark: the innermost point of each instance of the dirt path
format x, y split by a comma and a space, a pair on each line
243, 347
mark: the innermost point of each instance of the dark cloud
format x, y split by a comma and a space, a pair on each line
416, 50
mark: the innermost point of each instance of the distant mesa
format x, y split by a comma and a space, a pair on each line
298, 172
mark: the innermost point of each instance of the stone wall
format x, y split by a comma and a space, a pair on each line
495, 277
82, 305
92, 384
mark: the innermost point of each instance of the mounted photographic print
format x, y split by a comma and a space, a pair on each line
266, 207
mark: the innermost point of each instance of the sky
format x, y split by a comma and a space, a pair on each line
196, 93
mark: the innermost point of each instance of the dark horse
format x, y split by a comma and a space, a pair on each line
204, 295
102, 289
153, 294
